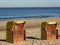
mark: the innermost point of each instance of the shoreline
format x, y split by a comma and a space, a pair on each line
26, 18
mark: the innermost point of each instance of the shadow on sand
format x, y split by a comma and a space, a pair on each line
33, 38
28, 38
2, 39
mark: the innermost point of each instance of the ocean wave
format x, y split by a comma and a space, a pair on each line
24, 17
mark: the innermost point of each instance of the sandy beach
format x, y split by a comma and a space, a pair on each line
33, 32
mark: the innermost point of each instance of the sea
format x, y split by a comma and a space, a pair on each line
28, 12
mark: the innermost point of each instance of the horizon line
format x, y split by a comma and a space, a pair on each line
29, 7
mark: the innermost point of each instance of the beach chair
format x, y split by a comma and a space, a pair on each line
49, 31
15, 31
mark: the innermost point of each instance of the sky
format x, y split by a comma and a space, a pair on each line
29, 3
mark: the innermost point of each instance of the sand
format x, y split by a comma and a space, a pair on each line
33, 32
